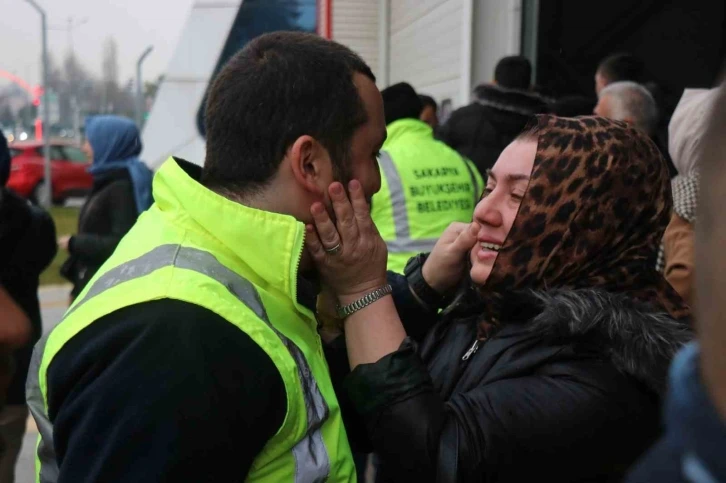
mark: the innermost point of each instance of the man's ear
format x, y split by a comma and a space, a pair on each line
311, 165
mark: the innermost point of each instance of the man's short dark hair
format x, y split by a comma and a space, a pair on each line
514, 72
279, 87
622, 67
428, 101
400, 101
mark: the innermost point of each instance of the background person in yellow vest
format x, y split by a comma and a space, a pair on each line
193, 354
429, 111
425, 185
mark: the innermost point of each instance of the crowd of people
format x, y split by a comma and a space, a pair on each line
507, 295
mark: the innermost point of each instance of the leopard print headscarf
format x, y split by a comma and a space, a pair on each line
594, 213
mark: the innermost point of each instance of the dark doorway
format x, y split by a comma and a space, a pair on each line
683, 42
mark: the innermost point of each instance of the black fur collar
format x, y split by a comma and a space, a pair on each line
521, 102
640, 340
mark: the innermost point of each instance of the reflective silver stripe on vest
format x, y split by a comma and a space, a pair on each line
398, 198
312, 463
159, 257
403, 242
423, 245
45, 451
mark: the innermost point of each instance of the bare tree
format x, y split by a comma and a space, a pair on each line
109, 69
81, 94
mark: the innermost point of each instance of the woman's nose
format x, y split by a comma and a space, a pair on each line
487, 212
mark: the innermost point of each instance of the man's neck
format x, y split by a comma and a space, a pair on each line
268, 199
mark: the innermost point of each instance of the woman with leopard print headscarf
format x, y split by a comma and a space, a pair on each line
552, 364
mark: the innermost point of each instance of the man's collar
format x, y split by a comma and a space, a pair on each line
308, 287
266, 245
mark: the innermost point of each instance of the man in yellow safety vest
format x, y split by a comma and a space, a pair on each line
193, 354
425, 184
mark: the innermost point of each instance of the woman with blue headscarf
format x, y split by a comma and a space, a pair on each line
121, 192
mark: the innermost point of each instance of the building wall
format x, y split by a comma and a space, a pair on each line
442, 47
425, 46
497, 33
356, 24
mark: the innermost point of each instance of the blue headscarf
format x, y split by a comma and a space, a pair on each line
116, 145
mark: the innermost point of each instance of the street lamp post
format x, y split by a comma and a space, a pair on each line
140, 87
48, 192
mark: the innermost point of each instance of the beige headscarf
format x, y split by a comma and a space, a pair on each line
687, 127
685, 134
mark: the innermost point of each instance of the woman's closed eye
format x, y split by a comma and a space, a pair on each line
518, 195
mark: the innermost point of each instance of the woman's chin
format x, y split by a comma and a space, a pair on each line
480, 273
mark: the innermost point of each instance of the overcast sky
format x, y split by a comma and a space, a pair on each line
134, 24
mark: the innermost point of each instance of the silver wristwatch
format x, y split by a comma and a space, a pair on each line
348, 310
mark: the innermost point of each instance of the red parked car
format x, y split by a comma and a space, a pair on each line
68, 168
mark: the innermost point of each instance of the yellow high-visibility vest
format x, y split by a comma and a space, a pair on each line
425, 186
196, 246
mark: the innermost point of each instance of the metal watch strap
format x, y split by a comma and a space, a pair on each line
365, 301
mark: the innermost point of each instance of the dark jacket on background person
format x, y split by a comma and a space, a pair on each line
505, 413
27, 246
481, 130
108, 214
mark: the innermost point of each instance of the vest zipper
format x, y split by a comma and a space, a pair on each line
319, 342
472, 350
